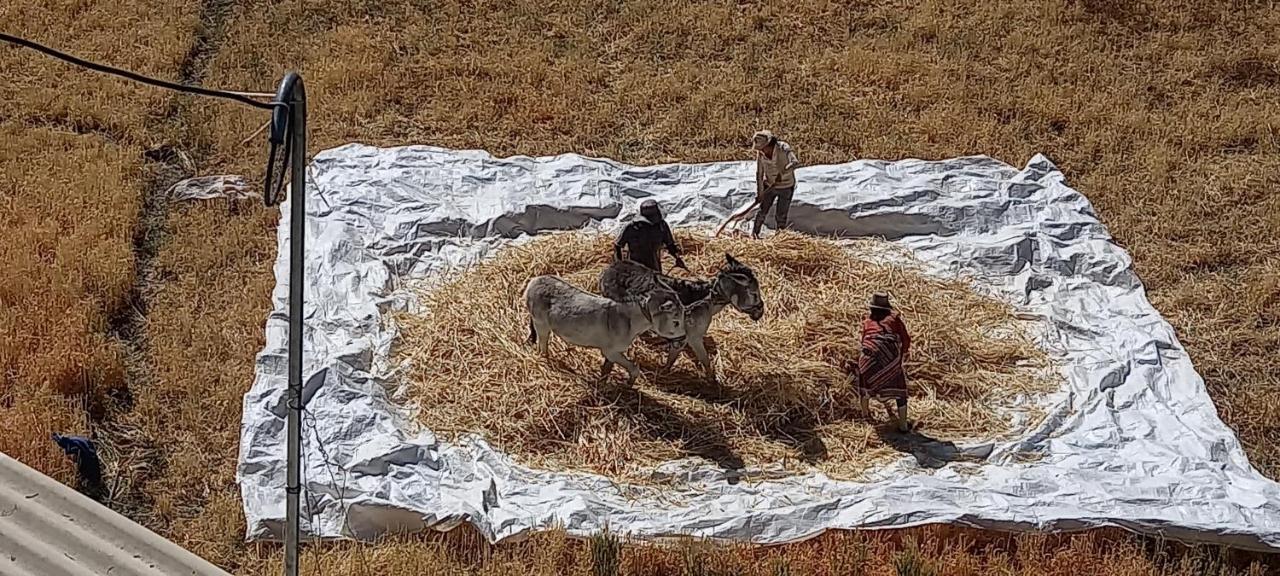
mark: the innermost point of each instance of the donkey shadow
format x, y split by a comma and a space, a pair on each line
699, 438
795, 429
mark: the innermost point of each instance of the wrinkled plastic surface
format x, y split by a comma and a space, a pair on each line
1131, 440
209, 187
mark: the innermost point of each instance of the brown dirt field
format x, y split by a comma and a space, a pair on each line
1165, 114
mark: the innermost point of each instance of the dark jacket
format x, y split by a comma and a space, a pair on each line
644, 241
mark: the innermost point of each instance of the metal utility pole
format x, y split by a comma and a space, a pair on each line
289, 127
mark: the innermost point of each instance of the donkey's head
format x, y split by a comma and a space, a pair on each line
737, 283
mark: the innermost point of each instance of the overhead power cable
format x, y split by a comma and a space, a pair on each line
246, 98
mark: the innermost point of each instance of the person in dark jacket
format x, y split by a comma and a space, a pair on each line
645, 237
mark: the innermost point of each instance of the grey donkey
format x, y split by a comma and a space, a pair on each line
587, 320
734, 284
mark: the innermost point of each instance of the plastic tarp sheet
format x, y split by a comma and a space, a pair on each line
230, 186
1132, 439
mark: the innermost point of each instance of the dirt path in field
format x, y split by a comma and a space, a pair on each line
136, 458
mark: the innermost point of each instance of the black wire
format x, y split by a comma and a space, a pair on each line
312, 506
309, 419
226, 95
269, 195
139, 77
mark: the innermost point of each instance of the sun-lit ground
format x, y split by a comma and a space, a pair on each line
782, 395
1165, 114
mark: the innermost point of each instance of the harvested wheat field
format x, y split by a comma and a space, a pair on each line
782, 397
1164, 114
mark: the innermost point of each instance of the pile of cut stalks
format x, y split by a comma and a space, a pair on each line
782, 400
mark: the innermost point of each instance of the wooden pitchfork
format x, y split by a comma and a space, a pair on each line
739, 215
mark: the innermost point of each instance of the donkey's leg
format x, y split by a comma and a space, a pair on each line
605, 368
865, 403
700, 351
617, 358
673, 353
542, 333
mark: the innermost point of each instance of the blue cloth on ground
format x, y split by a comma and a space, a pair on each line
88, 467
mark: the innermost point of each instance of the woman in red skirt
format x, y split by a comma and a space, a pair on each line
885, 344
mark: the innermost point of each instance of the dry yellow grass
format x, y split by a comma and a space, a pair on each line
1164, 113
71, 181
181, 418
934, 550
149, 36
782, 397
67, 219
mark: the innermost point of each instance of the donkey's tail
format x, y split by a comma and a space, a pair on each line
533, 333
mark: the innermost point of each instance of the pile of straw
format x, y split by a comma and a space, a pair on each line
782, 398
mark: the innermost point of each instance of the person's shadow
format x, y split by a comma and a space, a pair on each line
930, 452
796, 429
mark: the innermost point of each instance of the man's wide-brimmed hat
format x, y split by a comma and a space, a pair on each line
762, 138
880, 302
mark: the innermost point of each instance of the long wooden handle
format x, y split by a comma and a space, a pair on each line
737, 216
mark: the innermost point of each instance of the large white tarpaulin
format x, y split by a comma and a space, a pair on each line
1131, 440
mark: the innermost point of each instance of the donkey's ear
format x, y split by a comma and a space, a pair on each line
730, 259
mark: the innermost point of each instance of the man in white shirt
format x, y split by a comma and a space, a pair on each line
776, 165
